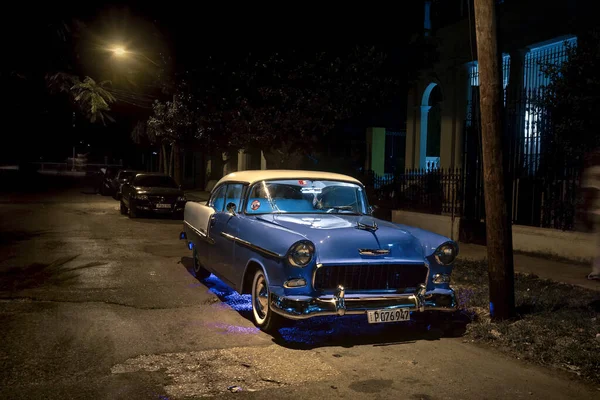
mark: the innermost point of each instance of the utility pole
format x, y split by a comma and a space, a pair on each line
498, 225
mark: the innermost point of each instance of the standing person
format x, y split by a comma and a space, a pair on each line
590, 185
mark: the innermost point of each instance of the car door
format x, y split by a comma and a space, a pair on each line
201, 218
224, 233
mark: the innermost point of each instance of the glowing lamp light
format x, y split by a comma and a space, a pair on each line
119, 51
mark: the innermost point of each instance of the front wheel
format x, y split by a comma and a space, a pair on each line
132, 210
199, 271
263, 316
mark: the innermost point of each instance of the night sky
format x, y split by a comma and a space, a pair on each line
180, 33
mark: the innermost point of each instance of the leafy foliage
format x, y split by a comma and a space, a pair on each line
174, 121
93, 99
285, 102
573, 98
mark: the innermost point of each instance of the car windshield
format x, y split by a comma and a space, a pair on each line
126, 175
306, 197
154, 181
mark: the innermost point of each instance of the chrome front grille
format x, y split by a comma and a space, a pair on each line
370, 276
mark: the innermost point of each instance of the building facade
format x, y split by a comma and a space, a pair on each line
442, 107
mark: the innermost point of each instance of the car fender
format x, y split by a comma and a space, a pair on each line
246, 283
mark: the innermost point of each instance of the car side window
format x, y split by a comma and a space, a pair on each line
234, 195
217, 200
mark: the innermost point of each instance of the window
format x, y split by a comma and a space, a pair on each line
306, 197
217, 200
234, 195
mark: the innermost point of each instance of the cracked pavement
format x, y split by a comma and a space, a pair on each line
95, 305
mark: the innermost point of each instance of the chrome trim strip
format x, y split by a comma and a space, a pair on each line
373, 252
199, 232
202, 235
250, 245
314, 274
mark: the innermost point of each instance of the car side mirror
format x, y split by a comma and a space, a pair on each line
231, 208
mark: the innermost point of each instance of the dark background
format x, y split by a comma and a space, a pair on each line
45, 38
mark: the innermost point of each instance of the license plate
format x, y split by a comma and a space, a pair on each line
382, 316
160, 205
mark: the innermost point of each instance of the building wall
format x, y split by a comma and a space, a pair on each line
453, 84
576, 246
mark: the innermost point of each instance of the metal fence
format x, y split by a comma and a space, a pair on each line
545, 189
537, 200
436, 191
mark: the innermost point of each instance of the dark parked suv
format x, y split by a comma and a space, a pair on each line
152, 193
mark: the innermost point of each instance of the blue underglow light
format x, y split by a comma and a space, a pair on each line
190, 245
239, 302
322, 330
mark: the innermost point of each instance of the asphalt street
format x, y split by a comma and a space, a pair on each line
94, 305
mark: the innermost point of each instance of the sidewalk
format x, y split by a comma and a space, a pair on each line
558, 271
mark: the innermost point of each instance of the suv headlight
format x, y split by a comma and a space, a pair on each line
181, 198
141, 197
301, 254
446, 253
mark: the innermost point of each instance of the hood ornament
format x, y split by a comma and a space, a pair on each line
365, 227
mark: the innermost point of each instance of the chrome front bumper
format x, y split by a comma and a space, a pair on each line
340, 303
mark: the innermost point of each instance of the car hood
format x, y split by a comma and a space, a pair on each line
338, 239
159, 191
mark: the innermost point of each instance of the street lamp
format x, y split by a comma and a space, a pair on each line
120, 51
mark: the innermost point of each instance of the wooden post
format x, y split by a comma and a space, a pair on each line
498, 225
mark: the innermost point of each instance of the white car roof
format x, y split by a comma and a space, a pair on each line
252, 176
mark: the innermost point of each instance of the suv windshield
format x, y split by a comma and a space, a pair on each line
154, 181
306, 197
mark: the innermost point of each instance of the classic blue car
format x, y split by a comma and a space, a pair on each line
305, 244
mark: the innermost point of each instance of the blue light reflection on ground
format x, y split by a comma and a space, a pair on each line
239, 302
321, 330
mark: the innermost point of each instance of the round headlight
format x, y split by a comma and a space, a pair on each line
301, 254
446, 253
